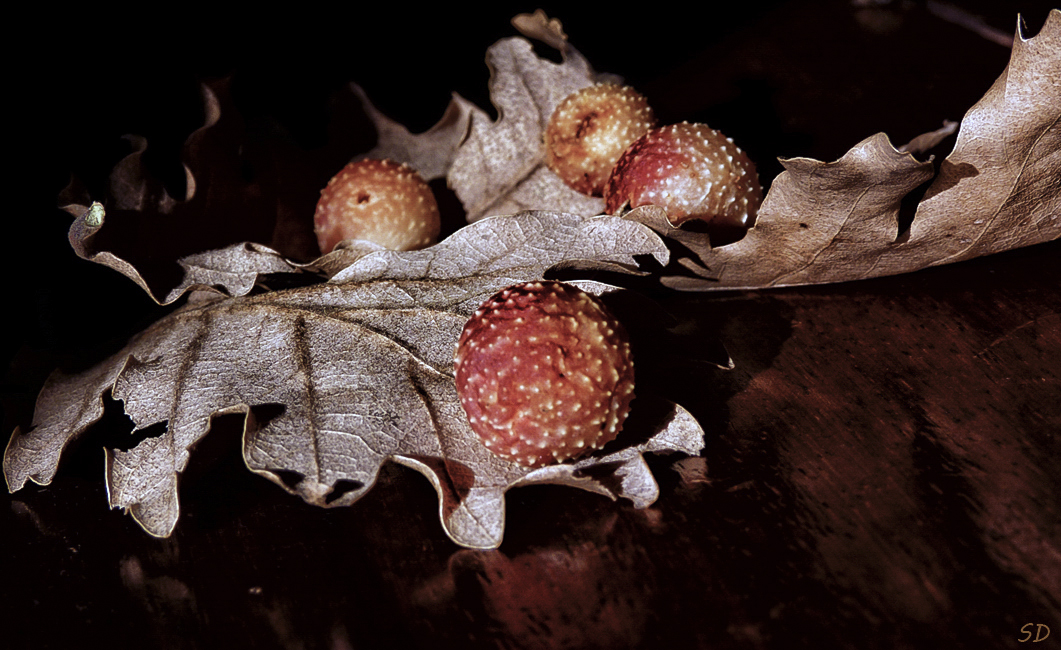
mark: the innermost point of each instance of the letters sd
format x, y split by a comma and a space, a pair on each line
1041, 632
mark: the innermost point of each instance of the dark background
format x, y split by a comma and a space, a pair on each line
856, 495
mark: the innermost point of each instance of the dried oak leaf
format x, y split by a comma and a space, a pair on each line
498, 167
833, 222
337, 378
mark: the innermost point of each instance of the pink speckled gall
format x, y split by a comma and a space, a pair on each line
380, 201
692, 171
544, 373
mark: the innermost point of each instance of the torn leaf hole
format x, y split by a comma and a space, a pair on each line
908, 208
263, 414
546, 52
598, 470
648, 263
139, 435
341, 488
288, 478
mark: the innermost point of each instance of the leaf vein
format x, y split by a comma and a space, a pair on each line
989, 222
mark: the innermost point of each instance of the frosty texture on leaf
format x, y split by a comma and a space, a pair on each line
337, 378
513, 245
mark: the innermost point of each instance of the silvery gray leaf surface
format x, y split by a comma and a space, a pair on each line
339, 377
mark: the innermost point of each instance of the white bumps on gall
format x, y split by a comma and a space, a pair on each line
544, 373
692, 171
380, 201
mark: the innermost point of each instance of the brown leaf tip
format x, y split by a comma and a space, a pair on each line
590, 129
381, 201
692, 171
544, 373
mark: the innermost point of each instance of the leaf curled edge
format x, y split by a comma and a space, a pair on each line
232, 270
827, 222
531, 242
856, 203
431, 153
998, 189
477, 520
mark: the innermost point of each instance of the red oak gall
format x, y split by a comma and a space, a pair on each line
544, 373
381, 201
590, 129
692, 171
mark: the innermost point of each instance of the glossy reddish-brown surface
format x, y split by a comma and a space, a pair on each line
882, 468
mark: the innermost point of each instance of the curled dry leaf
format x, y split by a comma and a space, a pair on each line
927, 141
233, 270
433, 152
308, 365
221, 206
541, 27
337, 378
857, 205
834, 222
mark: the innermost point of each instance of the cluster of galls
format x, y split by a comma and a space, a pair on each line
601, 141
543, 370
